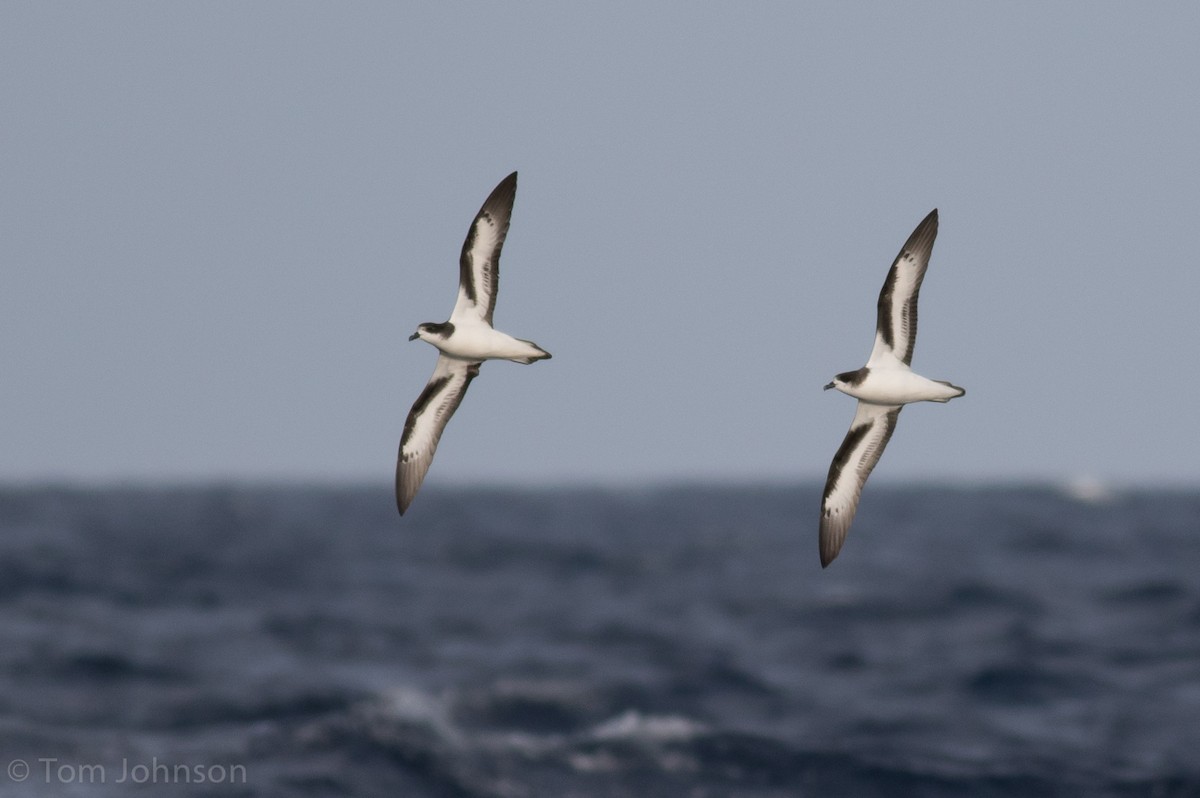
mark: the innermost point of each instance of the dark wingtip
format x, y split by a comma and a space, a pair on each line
919, 241
502, 196
401, 504
508, 184
930, 222
829, 550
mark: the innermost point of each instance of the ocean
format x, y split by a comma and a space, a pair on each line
241, 640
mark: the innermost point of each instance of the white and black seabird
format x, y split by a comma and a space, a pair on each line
464, 342
882, 388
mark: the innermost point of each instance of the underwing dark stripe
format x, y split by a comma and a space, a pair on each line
910, 324
868, 463
871, 457
472, 373
914, 255
853, 439
885, 305
431, 390
466, 265
496, 211
456, 399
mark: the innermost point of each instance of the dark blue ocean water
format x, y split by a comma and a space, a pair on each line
249, 641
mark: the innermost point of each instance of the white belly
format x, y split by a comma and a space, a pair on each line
484, 343
900, 387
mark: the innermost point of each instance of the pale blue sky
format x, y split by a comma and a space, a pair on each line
219, 222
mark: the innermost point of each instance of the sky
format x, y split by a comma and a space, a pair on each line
220, 222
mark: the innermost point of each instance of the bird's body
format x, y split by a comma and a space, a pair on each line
894, 385
474, 341
882, 388
463, 342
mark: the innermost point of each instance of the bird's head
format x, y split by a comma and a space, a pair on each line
431, 331
847, 379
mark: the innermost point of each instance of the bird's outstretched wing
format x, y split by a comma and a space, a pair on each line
860, 451
428, 417
896, 325
479, 264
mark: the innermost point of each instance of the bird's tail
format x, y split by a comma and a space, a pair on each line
537, 354
953, 387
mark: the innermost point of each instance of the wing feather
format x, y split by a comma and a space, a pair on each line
869, 433
896, 323
479, 263
426, 420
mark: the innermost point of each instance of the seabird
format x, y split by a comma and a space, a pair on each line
463, 342
882, 388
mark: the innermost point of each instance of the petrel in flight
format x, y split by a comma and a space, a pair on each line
882, 388
463, 342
